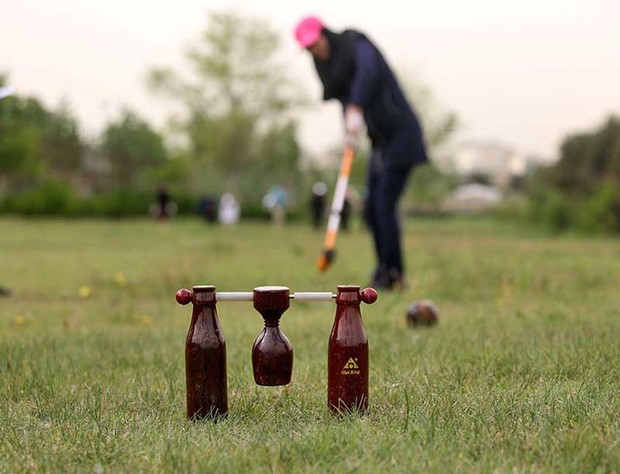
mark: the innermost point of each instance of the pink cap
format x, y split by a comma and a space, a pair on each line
308, 31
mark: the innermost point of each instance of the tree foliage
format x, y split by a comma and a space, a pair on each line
431, 184
582, 189
235, 102
438, 124
62, 141
131, 146
587, 159
36, 143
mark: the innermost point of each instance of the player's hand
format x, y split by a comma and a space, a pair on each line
354, 125
352, 140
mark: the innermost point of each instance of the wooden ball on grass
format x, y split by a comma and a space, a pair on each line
422, 313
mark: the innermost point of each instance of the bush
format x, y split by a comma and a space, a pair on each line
51, 198
581, 189
552, 209
58, 199
122, 203
601, 212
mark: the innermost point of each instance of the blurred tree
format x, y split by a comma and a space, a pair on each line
21, 123
35, 142
432, 183
236, 106
585, 181
173, 172
132, 147
19, 154
62, 143
439, 125
573, 172
586, 159
280, 153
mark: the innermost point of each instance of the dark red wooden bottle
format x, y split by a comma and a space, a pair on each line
347, 356
205, 358
272, 353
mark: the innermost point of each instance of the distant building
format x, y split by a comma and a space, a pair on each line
473, 198
500, 163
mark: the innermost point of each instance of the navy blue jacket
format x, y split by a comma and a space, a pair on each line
357, 73
392, 124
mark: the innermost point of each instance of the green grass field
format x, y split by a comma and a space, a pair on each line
522, 374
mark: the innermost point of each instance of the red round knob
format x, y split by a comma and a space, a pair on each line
184, 296
369, 295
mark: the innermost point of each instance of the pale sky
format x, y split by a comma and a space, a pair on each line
522, 72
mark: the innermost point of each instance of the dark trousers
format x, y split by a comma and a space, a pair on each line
386, 183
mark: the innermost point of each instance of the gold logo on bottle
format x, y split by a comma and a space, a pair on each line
351, 367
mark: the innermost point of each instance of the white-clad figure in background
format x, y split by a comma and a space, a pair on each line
229, 210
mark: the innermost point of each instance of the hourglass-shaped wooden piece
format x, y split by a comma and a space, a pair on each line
272, 353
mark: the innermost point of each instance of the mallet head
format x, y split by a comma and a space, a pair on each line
325, 260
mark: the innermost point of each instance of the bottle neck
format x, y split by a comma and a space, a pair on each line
348, 295
348, 314
206, 312
272, 322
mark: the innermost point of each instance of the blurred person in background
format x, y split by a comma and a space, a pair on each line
318, 203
